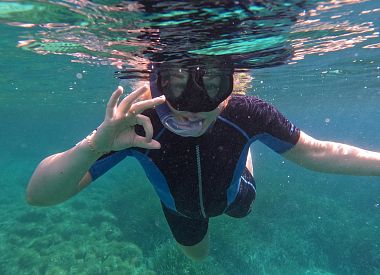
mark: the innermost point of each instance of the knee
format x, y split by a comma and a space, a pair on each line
199, 251
195, 254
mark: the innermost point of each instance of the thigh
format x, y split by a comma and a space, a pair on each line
249, 162
186, 231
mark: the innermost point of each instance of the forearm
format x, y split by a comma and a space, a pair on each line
333, 157
61, 176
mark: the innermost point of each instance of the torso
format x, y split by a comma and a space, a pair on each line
202, 173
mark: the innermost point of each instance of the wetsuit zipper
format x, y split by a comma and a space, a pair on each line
199, 171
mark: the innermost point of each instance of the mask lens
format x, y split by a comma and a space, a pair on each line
218, 84
195, 89
172, 82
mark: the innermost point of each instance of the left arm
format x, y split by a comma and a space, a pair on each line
333, 157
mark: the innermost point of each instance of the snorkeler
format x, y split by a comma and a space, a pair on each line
200, 129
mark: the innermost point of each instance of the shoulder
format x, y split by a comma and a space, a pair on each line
238, 100
256, 116
243, 106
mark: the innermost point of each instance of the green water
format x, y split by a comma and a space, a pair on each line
302, 222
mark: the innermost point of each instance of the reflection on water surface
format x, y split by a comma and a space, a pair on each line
254, 33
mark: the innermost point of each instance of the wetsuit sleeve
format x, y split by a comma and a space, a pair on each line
265, 123
106, 162
280, 134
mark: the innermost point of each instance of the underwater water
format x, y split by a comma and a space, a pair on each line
324, 75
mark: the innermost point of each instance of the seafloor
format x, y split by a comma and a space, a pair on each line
116, 227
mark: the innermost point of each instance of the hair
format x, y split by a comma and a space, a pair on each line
242, 82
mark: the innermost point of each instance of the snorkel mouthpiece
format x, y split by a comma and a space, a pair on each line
183, 128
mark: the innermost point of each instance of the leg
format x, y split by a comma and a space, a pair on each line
192, 235
249, 162
198, 251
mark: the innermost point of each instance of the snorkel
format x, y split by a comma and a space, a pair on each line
186, 128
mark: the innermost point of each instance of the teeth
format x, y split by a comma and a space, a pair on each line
184, 128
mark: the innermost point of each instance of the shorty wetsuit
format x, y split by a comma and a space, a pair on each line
201, 177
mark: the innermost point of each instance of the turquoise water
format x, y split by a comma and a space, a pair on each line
303, 222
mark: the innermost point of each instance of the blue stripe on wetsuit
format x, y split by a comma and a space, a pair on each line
233, 189
104, 164
157, 179
272, 142
155, 176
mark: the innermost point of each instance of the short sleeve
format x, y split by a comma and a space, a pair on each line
262, 121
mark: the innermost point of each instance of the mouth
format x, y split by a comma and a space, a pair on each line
186, 123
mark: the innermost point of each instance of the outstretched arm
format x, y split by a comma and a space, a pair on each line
333, 157
62, 175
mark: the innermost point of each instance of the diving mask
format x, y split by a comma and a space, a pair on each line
188, 128
194, 88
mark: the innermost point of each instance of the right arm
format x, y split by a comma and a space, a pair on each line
60, 176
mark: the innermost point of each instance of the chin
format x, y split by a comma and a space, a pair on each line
201, 132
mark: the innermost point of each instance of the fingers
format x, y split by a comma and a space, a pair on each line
112, 102
127, 102
141, 106
147, 125
142, 143
147, 141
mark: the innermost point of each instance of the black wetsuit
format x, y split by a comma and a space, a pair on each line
201, 177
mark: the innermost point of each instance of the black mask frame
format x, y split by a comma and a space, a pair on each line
196, 88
